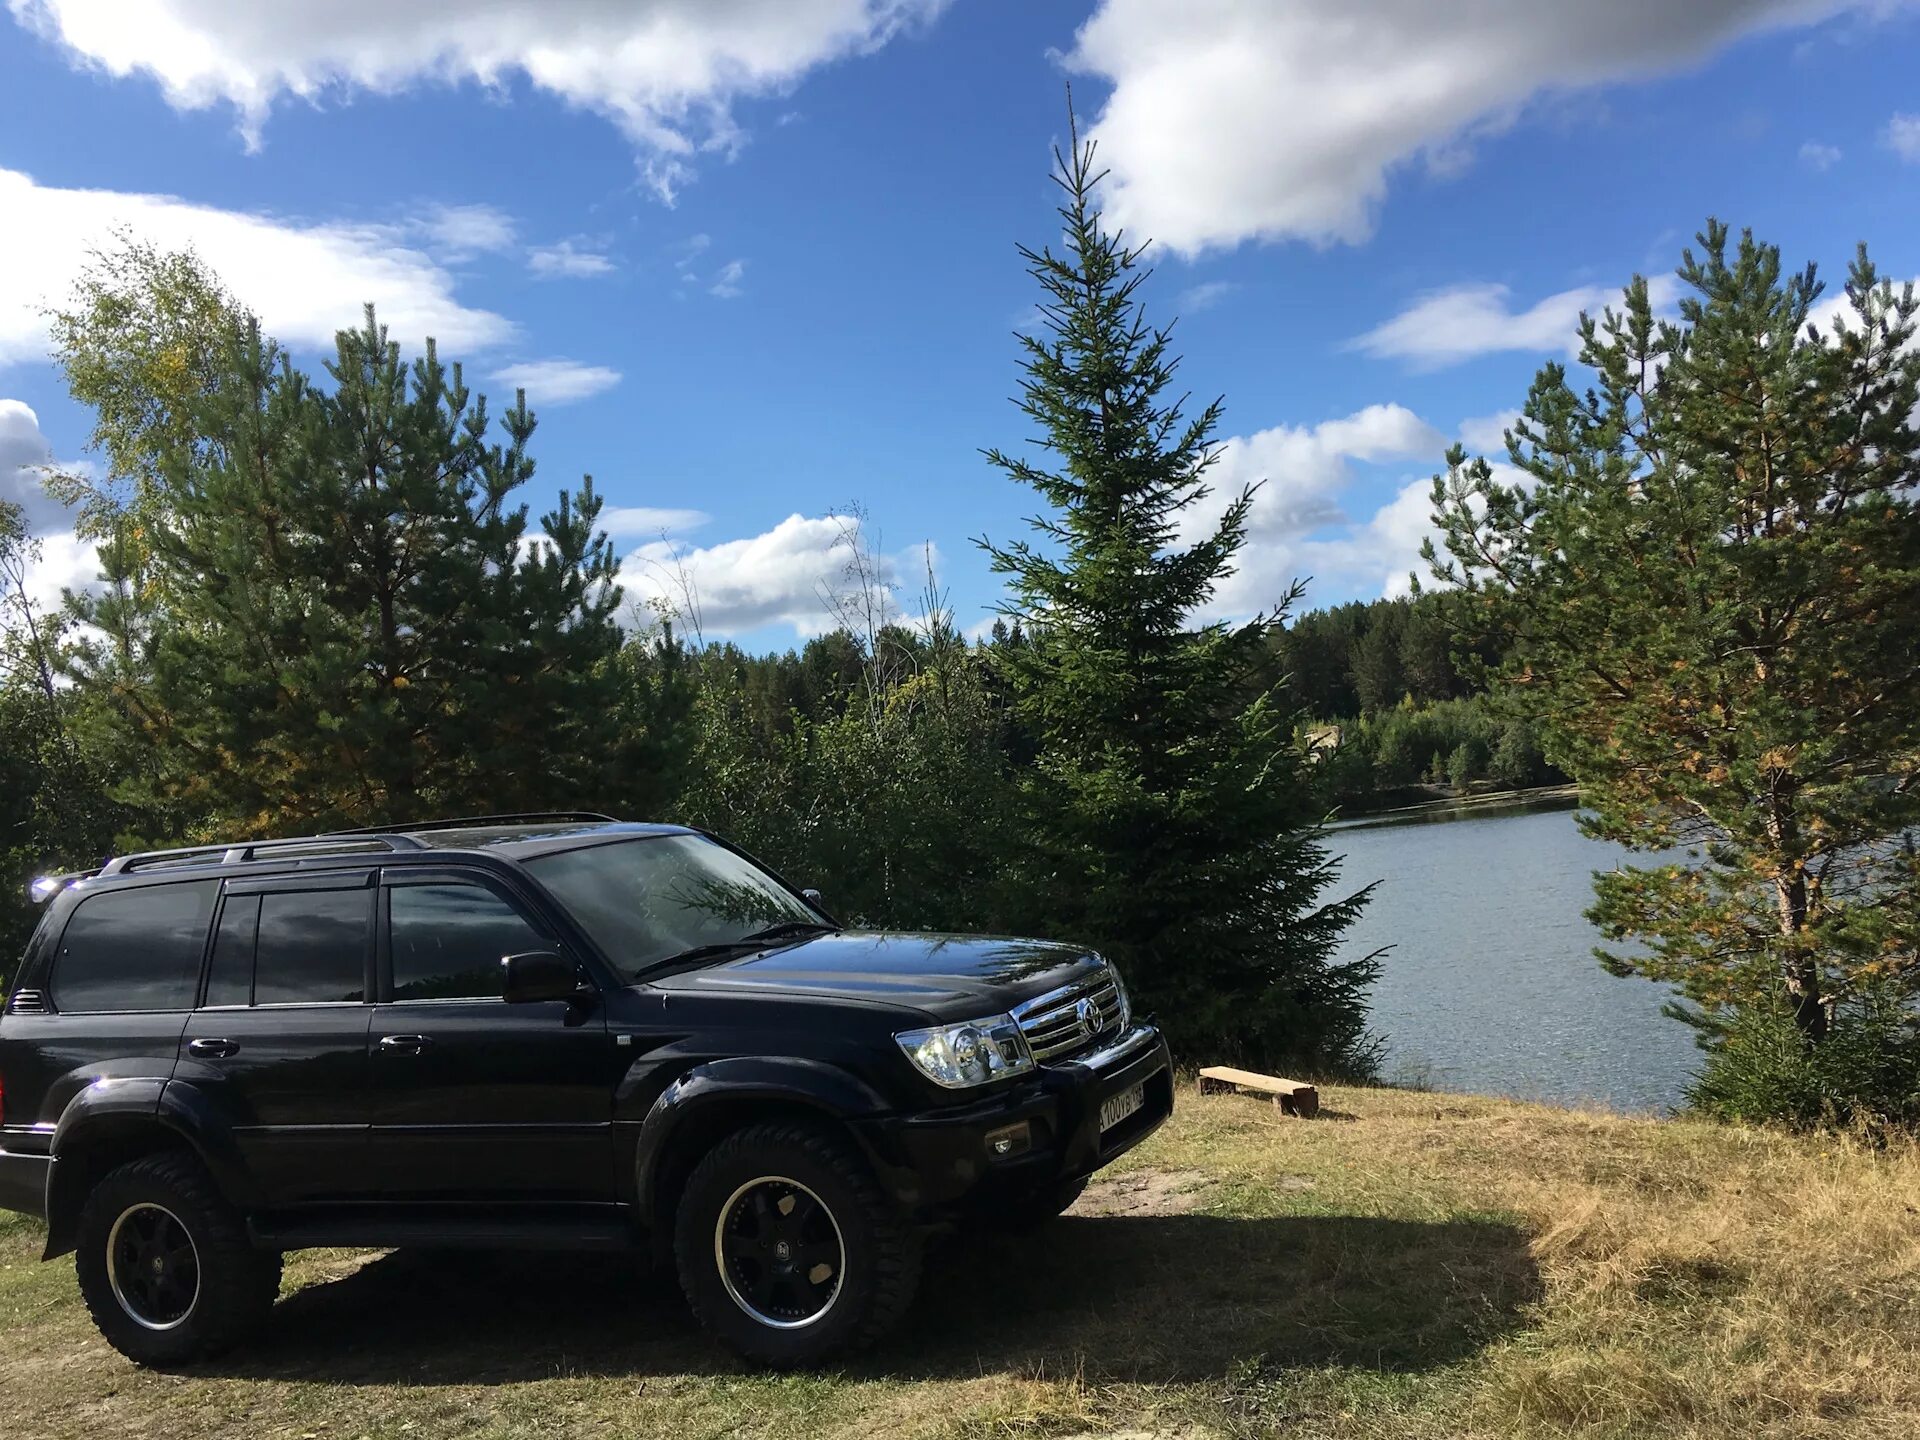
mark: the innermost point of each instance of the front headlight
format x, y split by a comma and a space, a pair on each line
969, 1053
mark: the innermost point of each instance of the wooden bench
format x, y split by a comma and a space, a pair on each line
1292, 1097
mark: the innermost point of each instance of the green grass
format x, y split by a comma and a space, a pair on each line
1408, 1266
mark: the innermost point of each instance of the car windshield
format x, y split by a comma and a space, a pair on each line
658, 898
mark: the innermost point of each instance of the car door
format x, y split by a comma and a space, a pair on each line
476, 1099
279, 1041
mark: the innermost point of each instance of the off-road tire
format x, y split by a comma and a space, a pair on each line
235, 1284
880, 1250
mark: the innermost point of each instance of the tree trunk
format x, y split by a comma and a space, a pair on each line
1798, 972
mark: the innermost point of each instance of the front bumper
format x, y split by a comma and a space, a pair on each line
23, 1183
946, 1160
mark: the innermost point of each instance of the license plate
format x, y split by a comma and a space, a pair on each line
1116, 1108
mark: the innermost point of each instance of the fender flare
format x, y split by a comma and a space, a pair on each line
834, 1093
112, 1109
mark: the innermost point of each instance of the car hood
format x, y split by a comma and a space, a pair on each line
950, 976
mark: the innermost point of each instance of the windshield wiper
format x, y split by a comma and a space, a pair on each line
784, 930
791, 927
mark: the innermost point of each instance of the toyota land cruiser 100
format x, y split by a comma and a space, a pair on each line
554, 1030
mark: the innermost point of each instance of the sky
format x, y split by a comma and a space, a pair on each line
754, 260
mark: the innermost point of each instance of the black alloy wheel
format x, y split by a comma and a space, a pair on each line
165, 1263
780, 1252
152, 1266
787, 1247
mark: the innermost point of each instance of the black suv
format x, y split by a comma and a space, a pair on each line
555, 1030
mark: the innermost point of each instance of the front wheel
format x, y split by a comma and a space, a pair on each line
165, 1266
787, 1249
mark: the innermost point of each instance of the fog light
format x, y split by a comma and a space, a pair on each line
1009, 1140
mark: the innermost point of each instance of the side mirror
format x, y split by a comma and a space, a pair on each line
539, 975
812, 897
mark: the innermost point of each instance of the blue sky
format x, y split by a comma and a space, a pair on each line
754, 259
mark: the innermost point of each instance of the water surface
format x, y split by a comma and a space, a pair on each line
1491, 985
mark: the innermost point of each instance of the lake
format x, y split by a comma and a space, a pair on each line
1491, 985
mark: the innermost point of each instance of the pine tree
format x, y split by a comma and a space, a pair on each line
1710, 586
1168, 812
335, 612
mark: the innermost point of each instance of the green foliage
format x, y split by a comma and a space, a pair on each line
54, 813
1707, 592
1168, 817
337, 613
1864, 1074
1467, 763
1453, 742
1517, 759
144, 337
896, 806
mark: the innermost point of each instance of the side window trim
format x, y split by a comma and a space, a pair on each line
308, 880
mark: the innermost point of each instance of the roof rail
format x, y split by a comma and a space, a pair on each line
464, 822
239, 852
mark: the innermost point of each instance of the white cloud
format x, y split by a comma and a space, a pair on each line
691, 249
567, 260
1816, 156
1305, 470
462, 230
557, 381
1379, 556
304, 280
1903, 137
666, 71
727, 284
1487, 434
24, 457
1464, 321
781, 577
64, 562
1208, 293
627, 521
1235, 120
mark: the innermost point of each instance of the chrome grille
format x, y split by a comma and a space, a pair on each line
1055, 1023
27, 1002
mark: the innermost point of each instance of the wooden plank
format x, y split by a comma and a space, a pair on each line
1293, 1097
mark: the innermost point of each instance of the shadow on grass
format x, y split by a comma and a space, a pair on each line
1162, 1298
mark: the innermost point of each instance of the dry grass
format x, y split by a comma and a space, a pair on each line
1409, 1265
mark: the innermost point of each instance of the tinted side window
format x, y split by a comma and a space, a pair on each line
448, 941
230, 972
134, 949
312, 946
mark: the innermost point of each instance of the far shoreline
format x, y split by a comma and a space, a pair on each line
1439, 806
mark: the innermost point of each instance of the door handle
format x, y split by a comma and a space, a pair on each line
213, 1049
405, 1044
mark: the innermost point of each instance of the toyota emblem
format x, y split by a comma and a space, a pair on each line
1088, 1014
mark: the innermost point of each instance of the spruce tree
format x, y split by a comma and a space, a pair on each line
1168, 817
1708, 586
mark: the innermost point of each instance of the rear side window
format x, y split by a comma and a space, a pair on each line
448, 941
312, 946
134, 949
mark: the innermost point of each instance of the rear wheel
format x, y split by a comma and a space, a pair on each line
787, 1249
165, 1266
